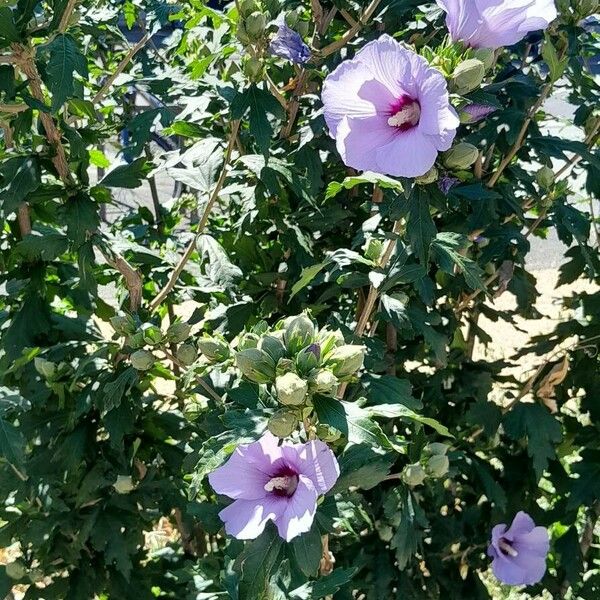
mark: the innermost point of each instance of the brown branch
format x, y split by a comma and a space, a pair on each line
202, 223
133, 279
13, 109
66, 16
24, 219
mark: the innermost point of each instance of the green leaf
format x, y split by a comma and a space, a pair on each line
42, 246
382, 389
540, 428
116, 389
65, 59
6, 583
550, 55
306, 277
80, 214
256, 564
334, 188
307, 550
98, 159
448, 250
127, 176
8, 29
219, 269
362, 467
420, 228
260, 102
12, 443
391, 411
20, 176
393, 310
485, 414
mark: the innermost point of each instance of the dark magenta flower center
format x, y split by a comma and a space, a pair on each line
283, 483
506, 548
405, 113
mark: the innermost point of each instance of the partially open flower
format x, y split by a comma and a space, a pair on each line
274, 483
288, 44
519, 552
388, 110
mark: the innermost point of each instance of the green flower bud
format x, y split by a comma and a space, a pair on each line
248, 340
308, 358
241, 33
256, 365
187, 354
45, 368
124, 484
461, 156
178, 332
413, 475
328, 340
123, 324
255, 24
486, 56
437, 465
273, 346
291, 389
284, 365
436, 448
467, 76
136, 340
283, 422
142, 360
327, 433
373, 249
253, 68
16, 570
545, 177
152, 334
346, 360
430, 177
324, 382
299, 333
247, 7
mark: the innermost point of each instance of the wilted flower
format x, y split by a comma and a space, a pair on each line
274, 483
496, 23
473, 113
288, 44
446, 183
388, 110
519, 552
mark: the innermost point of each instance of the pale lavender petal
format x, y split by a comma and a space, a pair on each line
536, 542
288, 44
522, 523
319, 464
300, 511
522, 570
410, 154
473, 113
246, 519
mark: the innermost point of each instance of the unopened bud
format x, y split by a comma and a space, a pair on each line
15, 570
291, 389
178, 332
467, 76
324, 382
123, 324
247, 7
430, 177
215, 349
256, 365
253, 68
136, 340
273, 346
461, 156
438, 465
45, 368
486, 56
187, 354
545, 177
308, 358
255, 24
142, 360
124, 484
327, 433
152, 334
436, 448
414, 474
346, 360
329, 340
298, 333
283, 422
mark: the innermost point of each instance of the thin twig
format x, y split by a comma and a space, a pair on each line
66, 16
13, 109
202, 223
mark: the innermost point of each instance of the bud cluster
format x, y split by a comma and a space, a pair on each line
434, 463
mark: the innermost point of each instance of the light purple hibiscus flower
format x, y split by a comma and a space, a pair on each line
274, 483
288, 44
496, 23
519, 552
388, 110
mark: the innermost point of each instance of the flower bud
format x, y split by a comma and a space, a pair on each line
461, 156
248, 340
178, 332
308, 358
253, 68
142, 360
373, 249
430, 177
283, 422
273, 346
241, 33
414, 475
16, 570
346, 360
324, 382
152, 334
247, 7
256, 365
284, 365
136, 340
327, 433
124, 484
186, 354
215, 349
436, 448
545, 177
255, 24
299, 333
438, 465
45, 368
329, 340
486, 56
467, 76
291, 389
123, 324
